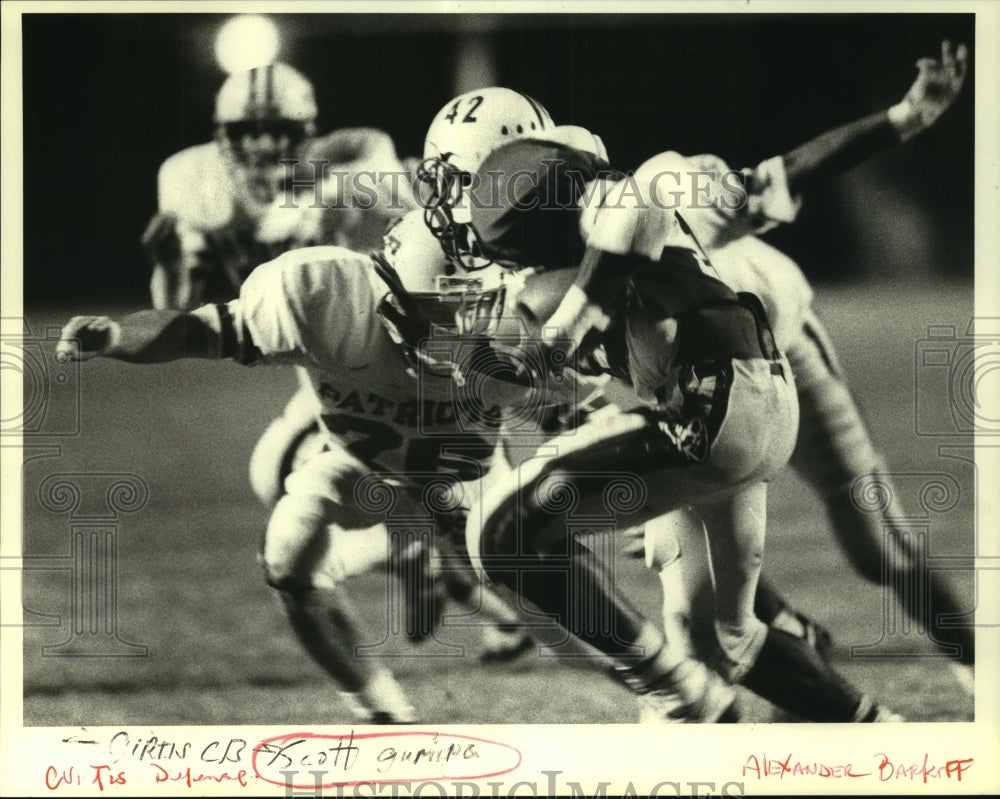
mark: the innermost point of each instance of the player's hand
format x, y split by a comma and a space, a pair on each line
937, 85
85, 337
162, 240
565, 330
295, 224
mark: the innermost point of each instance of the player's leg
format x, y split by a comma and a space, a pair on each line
683, 457
503, 635
777, 666
565, 579
834, 450
306, 557
675, 549
681, 533
774, 610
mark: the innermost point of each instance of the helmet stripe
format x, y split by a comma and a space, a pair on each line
268, 86
536, 106
252, 98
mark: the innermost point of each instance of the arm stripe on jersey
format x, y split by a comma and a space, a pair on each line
536, 107
243, 351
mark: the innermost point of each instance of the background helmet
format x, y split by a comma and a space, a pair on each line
262, 115
274, 91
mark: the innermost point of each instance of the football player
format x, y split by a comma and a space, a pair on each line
265, 184
705, 359
396, 446
319, 531
831, 423
448, 216
834, 449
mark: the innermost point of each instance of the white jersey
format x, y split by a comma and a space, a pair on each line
679, 199
316, 308
743, 261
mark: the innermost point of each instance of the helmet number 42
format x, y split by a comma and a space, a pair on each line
474, 101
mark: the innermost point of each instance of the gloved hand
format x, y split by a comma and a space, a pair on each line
85, 337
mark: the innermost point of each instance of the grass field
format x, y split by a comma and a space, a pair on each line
219, 651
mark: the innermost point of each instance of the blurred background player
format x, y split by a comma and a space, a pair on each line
266, 184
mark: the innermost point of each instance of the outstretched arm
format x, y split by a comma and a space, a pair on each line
937, 85
143, 337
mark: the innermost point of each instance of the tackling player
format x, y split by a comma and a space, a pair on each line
395, 445
266, 184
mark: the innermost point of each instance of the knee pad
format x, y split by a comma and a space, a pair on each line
297, 546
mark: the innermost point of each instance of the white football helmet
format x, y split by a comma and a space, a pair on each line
461, 136
262, 116
271, 92
416, 256
426, 297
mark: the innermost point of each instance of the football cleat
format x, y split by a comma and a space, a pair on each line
689, 694
502, 646
365, 715
801, 626
870, 712
885, 716
817, 636
381, 701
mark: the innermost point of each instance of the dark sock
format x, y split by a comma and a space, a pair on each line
790, 674
581, 596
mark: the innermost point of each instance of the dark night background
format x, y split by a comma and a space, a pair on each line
108, 97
